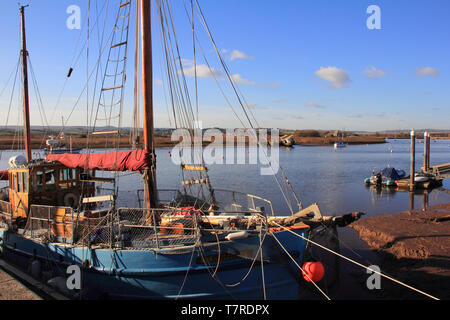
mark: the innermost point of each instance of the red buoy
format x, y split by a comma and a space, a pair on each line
313, 271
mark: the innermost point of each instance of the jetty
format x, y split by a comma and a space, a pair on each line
430, 176
440, 170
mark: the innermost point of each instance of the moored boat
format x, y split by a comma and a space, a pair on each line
387, 177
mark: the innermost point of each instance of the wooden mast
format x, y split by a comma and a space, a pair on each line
26, 101
147, 103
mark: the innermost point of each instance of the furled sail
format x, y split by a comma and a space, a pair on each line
135, 160
4, 175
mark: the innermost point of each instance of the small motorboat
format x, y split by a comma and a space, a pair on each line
421, 176
387, 177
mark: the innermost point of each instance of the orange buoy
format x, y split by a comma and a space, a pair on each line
313, 271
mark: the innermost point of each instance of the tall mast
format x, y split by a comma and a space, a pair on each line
147, 103
26, 101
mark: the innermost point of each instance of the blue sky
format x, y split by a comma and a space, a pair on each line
300, 64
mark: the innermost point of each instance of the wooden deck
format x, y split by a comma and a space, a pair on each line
442, 170
430, 184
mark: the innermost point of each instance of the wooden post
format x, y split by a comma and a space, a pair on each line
413, 160
428, 150
147, 101
425, 153
26, 99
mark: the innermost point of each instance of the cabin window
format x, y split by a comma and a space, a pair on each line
19, 182
14, 182
67, 174
37, 181
66, 177
25, 182
87, 175
50, 180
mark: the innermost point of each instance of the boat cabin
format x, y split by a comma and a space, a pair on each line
47, 183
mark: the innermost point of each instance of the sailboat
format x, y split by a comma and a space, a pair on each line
54, 221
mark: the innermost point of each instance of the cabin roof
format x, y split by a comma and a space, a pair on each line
37, 163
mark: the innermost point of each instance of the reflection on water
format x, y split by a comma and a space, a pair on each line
320, 175
378, 192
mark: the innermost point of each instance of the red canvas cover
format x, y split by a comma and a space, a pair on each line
134, 160
4, 175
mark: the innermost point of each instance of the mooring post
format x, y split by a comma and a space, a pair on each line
413, 160
426, 165
428, 150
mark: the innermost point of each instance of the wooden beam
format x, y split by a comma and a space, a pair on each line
98, 199
147, 100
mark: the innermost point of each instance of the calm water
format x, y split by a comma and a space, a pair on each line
333, 179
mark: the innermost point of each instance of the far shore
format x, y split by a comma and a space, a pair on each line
97, 142
320, 141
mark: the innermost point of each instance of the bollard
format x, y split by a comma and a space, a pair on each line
429, 150
413, 160
426, 164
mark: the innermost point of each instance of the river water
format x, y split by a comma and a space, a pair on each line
319, 174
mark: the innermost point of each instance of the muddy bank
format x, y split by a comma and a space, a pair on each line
414, 247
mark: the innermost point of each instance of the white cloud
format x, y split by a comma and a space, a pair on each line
339, 78
427, 71
315, 105
203, 71
236, 54
374, 73
238, 79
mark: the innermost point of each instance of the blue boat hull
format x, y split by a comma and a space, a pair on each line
167, 274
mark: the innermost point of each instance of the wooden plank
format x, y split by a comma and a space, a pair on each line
112, 88
98, 199
193, 168
194, 181
118, 44
105, 132
99, 180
